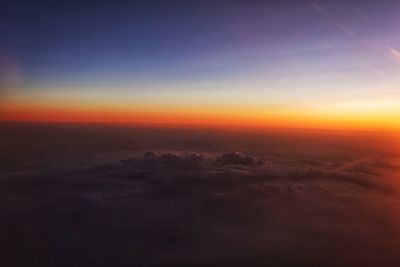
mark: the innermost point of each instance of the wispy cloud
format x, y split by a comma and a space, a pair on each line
395, 53
340, 26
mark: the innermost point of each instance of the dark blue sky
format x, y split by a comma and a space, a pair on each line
68, 42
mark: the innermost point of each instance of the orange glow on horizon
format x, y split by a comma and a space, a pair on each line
224, 117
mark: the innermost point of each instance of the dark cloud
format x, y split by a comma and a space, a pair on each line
96, 196
177, 158
244, 210
239, 159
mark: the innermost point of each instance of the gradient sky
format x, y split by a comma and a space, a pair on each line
319, 64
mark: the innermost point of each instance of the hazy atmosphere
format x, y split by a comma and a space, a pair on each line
200, 133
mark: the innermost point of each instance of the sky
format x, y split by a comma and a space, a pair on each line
304, 63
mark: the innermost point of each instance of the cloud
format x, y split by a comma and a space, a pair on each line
232, 167
339, 25
190, 159
171, 160
238, 158
395, 53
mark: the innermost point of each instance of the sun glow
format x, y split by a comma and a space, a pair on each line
350, 115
